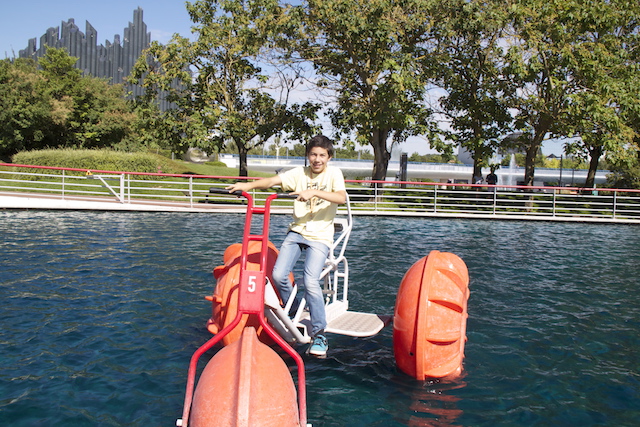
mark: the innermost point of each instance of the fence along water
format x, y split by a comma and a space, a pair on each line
38, 187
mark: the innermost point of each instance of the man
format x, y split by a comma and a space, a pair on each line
492, 178
320, 189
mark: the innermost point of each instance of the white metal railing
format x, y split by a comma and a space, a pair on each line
191, 192
514, 201
437, 172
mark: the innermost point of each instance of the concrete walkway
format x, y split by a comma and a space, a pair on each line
53, 201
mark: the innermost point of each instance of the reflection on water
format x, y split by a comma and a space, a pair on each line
102, 311
436, 407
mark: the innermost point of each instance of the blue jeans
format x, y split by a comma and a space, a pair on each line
316, 254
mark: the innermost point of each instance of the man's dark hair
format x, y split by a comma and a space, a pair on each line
322, 142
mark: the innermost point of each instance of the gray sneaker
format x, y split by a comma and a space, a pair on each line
319, 346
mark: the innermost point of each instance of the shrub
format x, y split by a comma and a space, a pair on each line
222, 164
102, 159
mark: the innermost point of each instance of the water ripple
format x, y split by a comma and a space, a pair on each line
102, 311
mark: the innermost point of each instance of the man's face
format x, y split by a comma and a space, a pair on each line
318, 159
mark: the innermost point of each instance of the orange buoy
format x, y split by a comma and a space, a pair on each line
225, 297
430, 317
245, 384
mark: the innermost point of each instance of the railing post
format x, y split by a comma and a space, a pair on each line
128, 187
190, 191
615, 203
375, 197
495, 199
122, 193
435, 199
553, 206
63, 182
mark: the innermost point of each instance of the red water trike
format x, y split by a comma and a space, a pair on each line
247, 383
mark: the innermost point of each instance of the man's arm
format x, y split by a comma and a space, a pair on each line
337, 197
260, 184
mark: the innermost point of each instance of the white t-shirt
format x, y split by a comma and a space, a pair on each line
313, 219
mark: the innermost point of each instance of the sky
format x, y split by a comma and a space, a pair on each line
24, 20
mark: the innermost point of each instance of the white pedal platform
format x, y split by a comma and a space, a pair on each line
351, 323
356, 324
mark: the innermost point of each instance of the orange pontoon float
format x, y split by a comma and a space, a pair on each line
430, 317
251, 384
224, 300
241, 382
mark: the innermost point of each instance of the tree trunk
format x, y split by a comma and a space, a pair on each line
242, 152
529, 164
477, 168
532, 147
381, 156
595, 153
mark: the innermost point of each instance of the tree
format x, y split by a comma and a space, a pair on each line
602, 113
57, 107
97, 114
27, 113
373, 57
539, 66
228, 99
165, 75
564, 59
432, 158
625, 170
625, 163
471, 55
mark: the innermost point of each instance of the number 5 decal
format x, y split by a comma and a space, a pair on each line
252, 284
251, 298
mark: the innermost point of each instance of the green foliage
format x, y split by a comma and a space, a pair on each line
350, 153
576, 64
222, 164
433, 158
103, 159
230, 97
373, 55
299, 150
628, 177
219, 169
541, 161
471, 56
28, 115
625, 170
57, 67
532, 68
57, 107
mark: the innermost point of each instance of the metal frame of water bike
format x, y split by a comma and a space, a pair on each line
252, 285
335, 278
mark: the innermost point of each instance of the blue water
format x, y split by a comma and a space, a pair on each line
101, 312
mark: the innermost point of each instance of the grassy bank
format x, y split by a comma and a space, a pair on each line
111, 160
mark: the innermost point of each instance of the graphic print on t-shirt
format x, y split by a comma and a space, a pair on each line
315, 203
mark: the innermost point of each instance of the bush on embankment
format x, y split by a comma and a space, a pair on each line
103, 159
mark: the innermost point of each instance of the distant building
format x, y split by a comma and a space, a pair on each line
113, 61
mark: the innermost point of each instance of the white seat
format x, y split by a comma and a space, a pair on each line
335, 276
